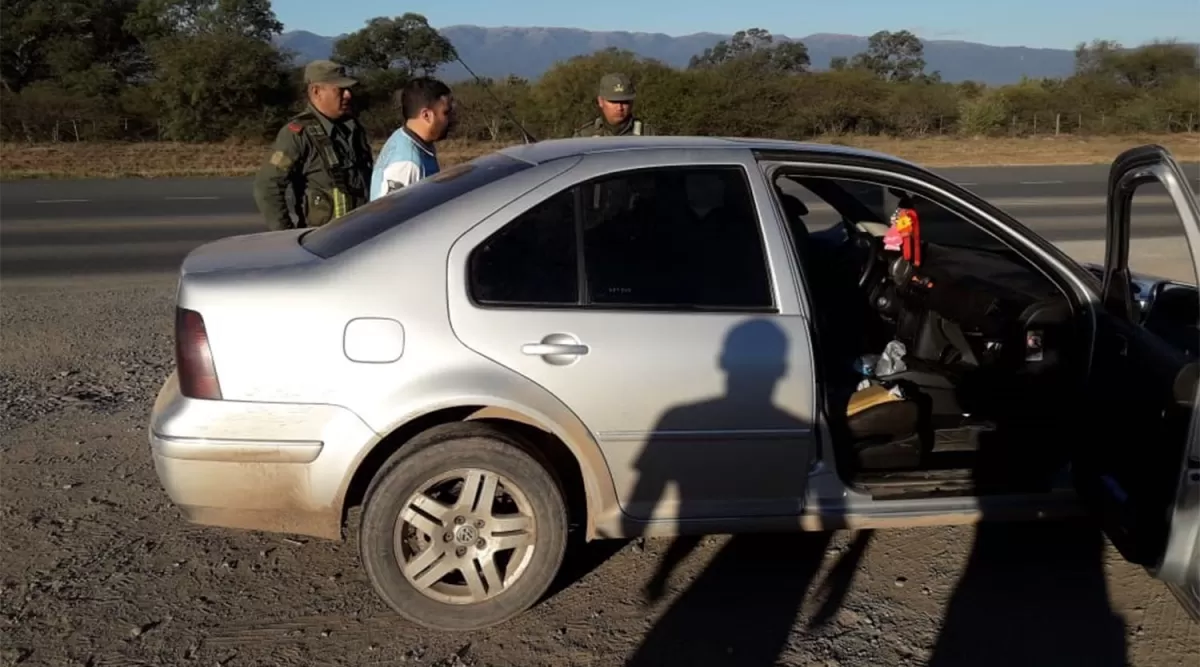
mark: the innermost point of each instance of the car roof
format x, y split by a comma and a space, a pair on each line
554, 149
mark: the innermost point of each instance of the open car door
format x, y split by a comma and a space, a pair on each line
1137, 466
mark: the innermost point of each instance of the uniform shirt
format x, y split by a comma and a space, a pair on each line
295, 162
600, 128
404, 160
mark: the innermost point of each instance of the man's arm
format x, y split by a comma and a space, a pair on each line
397, 166
399, 174
275, 174
586, 130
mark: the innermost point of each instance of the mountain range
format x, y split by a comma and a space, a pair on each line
528, 52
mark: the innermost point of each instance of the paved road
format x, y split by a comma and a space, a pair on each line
137, 226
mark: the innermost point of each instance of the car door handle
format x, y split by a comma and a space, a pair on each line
546, 349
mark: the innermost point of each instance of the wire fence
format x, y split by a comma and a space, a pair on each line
51, 130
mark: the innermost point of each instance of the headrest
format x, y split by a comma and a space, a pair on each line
792, 205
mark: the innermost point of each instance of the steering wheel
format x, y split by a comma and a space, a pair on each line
870, 248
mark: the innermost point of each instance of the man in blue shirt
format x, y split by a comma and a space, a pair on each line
410, 153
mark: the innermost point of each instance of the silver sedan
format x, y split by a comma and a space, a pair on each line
655, 336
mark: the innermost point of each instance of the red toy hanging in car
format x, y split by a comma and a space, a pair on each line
905, 234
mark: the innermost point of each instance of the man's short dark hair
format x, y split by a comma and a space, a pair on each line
421, 93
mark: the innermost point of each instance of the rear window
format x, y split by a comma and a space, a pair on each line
377, 217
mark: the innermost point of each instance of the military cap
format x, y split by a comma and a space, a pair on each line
327, 71
616, 88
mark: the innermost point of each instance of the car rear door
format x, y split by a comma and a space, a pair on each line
651, 294
1137, 464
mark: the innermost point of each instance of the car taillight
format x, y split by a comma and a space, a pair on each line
193, 357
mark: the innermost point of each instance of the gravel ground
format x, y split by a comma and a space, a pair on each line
100, 569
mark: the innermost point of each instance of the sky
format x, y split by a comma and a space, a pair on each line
1035, 23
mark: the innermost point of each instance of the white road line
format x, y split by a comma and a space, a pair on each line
109, 250
60, 201
189, 198
1042, 182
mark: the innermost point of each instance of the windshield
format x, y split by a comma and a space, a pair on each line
830, 201
375, 218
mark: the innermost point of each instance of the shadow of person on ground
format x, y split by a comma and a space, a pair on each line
743, 606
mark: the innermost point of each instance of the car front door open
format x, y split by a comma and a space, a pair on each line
1137, 462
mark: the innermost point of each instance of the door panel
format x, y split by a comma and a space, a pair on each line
1138, 466
702, 409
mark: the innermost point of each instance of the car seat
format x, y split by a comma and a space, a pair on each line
884, 426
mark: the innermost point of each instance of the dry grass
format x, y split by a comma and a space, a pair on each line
149, 160
160, 159
960, 152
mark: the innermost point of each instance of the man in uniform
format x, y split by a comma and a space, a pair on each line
322, 153
615, 99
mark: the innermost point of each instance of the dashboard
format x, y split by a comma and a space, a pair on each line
982, 304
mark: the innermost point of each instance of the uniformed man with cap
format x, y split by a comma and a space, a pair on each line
323, 153
615, 99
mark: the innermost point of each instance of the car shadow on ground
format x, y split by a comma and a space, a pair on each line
581, 559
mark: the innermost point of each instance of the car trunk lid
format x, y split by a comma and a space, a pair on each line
247, 252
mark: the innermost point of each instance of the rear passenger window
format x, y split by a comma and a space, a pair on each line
531, 261
660, 239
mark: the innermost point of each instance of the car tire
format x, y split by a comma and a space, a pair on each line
392, 532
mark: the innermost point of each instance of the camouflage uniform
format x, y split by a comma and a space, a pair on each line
615, 88
326, 162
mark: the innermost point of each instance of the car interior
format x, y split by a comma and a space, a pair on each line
947, 360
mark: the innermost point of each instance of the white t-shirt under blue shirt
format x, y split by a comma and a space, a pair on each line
404, 160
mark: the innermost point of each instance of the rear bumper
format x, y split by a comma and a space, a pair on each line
275, 467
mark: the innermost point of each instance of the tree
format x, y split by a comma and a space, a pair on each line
485, 108
251, 19
217, 73
755, 48
407, 44
788, 57
744, 42
385, 54
83, 47
1097, 57
220, 86
1157, 65
893, 56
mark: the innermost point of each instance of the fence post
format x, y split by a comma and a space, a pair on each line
1169, 123
1035, 123
1190, 126
1057, 123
